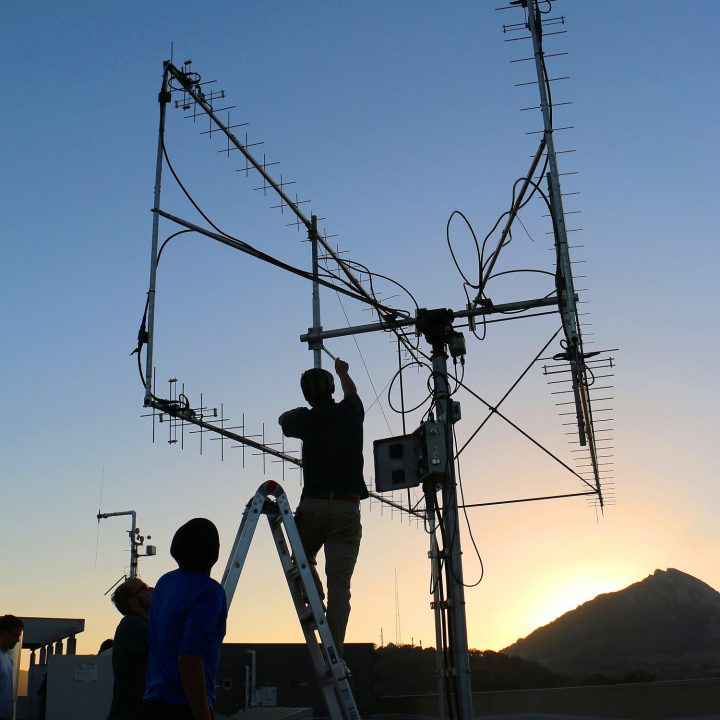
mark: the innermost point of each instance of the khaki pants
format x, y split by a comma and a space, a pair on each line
334, 525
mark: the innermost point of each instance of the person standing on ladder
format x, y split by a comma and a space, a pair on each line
329, 511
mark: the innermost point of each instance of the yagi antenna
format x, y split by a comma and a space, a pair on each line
573, 361
176, 414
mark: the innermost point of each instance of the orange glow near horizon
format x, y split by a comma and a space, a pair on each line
563, 596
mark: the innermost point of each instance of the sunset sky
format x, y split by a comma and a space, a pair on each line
388, 116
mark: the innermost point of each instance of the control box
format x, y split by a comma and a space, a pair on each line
396, 463
407, 461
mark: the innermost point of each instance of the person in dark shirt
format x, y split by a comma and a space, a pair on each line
187, 627
328, 515
130, 650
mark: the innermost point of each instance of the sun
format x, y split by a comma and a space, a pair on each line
565, 596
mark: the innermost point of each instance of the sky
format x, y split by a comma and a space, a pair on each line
387, 116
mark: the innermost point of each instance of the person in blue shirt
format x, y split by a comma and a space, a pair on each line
186, 629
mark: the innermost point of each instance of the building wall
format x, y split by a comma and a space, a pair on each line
288, 668
79, 686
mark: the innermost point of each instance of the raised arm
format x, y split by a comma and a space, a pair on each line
346, 382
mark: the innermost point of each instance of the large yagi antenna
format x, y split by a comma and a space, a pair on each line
573, 365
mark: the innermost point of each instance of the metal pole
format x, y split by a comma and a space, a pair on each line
386, 325
402, 390
163, 99
133, 546
437, 611
15, 658
451, 532
317, 325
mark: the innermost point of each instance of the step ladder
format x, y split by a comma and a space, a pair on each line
329, 669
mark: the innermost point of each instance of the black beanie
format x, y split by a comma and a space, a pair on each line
317, 385
196, 545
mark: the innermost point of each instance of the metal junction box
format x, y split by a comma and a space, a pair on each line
396, 463
406, 461
433, 451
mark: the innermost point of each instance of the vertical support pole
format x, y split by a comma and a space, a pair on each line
133, 546
15, 659
402, 389
32, 696
451, 531
163, 99
434, 556
317, 325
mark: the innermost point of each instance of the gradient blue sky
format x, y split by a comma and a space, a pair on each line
389, 116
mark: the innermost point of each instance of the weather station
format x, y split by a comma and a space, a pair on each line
137, 541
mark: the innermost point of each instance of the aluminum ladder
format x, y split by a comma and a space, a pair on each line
329, 669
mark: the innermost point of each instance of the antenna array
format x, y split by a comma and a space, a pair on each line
177, 414
198, 103
596, 465
573, 366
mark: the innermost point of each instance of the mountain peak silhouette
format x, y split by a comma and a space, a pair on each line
667, 625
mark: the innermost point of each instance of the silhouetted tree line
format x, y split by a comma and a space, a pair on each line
410, 670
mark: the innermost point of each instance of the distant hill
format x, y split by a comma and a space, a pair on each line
667, 626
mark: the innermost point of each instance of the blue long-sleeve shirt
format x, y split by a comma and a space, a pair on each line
187, 617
